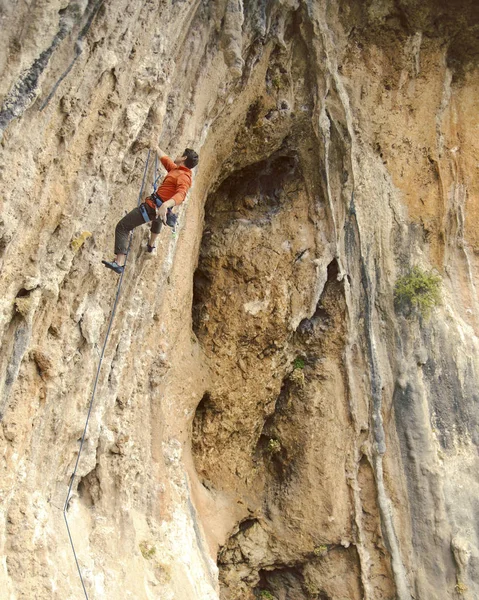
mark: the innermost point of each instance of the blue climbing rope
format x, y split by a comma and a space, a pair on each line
67, 500
157, 176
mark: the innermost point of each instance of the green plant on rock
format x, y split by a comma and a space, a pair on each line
274, 446
277, 82
297, 377
320, 550
78, 242
147, 550
162, 572
312, 589
461, 587
418, 290
265, 595
298, 363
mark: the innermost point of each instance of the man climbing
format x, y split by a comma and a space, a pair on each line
156, 207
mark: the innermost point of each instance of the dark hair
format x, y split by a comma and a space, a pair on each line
191, 158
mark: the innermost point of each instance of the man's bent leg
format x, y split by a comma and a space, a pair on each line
133, 219
155, 231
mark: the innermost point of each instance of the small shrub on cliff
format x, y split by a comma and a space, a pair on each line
297, 377
274, 446
147, 550
461, 588
320, 550
418, 290
162, 572
277, 82
78, 242
265, 595
312, 589
298, 363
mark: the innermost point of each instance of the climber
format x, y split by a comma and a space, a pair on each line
157, 207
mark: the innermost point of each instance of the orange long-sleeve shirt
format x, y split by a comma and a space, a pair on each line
175, 185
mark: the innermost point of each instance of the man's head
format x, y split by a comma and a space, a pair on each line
189, 159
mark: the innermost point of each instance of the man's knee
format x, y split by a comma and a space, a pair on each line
156, 227
123, 226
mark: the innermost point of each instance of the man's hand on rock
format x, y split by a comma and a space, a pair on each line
155, 148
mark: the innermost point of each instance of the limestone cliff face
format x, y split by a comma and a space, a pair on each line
267, 423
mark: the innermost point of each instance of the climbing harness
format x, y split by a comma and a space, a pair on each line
144, 213
156, 199
72, 479
171, 218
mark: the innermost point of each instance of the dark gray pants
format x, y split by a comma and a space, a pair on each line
129, 222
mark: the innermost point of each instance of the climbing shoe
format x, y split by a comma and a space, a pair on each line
114, 266
150, 249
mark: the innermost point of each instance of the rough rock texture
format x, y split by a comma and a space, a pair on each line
268, 422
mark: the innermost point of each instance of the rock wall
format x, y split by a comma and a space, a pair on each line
268, 422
